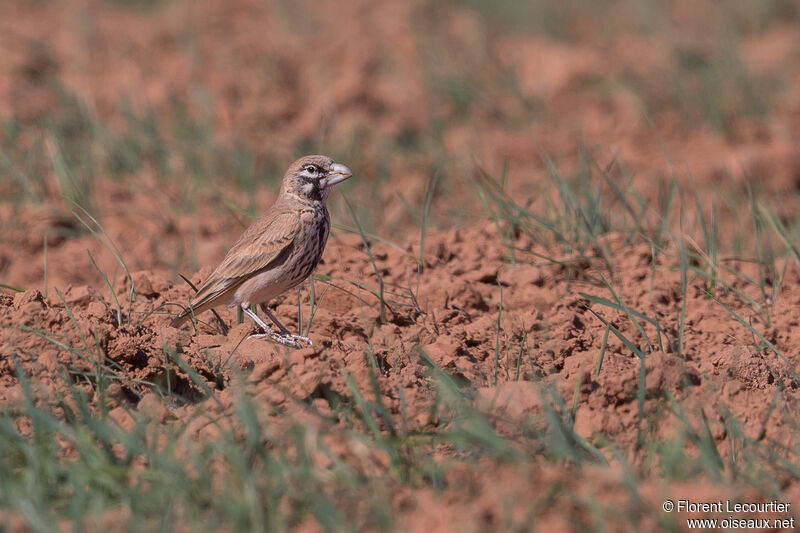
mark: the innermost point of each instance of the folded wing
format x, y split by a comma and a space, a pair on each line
263, 246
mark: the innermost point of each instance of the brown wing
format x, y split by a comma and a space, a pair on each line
263, 243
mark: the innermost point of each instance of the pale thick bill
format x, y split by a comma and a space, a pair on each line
337, 174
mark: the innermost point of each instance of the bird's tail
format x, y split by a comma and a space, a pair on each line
180, 319
193, 309
213, 293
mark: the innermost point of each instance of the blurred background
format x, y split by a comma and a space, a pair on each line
590, 175
178, 118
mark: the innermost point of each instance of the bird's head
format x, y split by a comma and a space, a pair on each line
312, 177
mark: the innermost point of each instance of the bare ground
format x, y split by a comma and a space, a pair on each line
483, 310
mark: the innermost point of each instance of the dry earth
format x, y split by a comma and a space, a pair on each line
507, 331
449, 311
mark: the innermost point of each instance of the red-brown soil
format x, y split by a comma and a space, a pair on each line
455, 322
512, 331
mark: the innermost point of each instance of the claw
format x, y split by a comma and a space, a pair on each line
301, 338
289, 340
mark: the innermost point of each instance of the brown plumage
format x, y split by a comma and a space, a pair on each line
278, 251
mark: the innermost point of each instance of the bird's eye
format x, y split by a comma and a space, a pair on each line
311, 169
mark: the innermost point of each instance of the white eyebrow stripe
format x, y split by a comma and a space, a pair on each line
304, 173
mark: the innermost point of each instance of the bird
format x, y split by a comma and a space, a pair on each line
278, 251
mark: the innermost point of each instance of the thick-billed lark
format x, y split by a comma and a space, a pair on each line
278, 251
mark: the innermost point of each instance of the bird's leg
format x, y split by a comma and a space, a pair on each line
286, 340
283, 329
285, 332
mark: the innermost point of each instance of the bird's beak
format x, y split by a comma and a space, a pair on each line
337, 174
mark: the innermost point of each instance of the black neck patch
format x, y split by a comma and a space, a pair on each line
315, 193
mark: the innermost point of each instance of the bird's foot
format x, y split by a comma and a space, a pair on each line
287, 339
294, 338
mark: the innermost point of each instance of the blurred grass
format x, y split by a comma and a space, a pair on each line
262, 470
593, 207
79, 466
84, 467
63, 148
